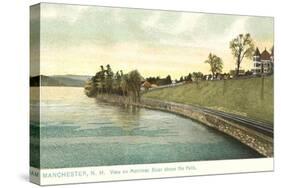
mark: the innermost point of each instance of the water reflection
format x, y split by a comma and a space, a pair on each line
79, 131
126, 117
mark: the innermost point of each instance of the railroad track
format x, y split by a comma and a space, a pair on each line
260, 126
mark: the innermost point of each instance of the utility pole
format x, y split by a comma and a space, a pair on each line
262, 82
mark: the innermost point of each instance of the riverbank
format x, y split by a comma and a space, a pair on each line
251, 97
261, 143
84, 131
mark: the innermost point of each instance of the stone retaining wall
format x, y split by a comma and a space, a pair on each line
263, 144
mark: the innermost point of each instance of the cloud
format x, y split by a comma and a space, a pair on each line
186, 23
67, 13
161, 22
152, 21
84, 24
150, 39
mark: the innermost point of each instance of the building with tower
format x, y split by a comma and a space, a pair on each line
263, 62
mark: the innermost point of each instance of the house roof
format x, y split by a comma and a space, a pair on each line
257, 52
265, 55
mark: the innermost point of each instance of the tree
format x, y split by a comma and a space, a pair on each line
241, 47
116, 86
109, 79
90, 88
189, 77
181, 79
100, 80
168, 80
124, 84
215, 63
134, 83
106, 82
196, 76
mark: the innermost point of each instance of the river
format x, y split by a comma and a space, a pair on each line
77, 131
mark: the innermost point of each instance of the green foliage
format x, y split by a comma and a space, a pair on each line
216, 64
241, 96
105, 81
242, 47
159, 81
196, 76
109, 79
134, 84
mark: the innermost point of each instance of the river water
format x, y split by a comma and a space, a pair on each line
77, 131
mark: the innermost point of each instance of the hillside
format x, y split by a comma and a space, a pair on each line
69, 81
59, 80
45, 81
247, 97
74, 77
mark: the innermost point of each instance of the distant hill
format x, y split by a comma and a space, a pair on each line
45, 81
66, 81
75, 77
59, 80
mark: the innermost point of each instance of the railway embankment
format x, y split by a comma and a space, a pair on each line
257, 140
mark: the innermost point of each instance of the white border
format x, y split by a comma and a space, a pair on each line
149, 171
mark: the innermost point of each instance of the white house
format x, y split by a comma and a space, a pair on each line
263, 62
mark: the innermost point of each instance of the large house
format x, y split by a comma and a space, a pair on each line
263, 62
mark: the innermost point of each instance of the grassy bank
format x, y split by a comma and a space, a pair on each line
247, 97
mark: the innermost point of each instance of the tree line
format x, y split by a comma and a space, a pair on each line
241, 47
106, 81
160, 81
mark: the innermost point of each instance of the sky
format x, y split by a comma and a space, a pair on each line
78, 39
